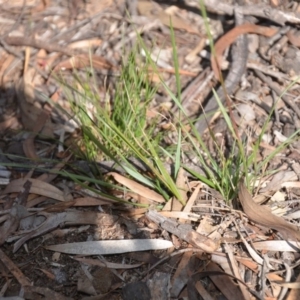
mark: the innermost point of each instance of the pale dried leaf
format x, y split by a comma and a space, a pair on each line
290, 285
192, 199
247, 112
110, 247
38, 187
181, 184
12, 122
137, 188
291, 184
236, 271
277, 246
85, 44
279, 179
280, 137
280, 209
182, 187
223, 262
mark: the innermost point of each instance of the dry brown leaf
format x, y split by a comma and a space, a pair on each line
138, 198
249, 264
181, 275
227, 287
61, 206
289, 285
48, 177
202, 291
294, 294
236, 271
223, 281
49, 274
16, 272
28, 144
263, 216
49, 62
9, 59
273, 276
182, 187
38, 187
137, 188
90, 201
193, 197
29, 111
9, 123
181, 184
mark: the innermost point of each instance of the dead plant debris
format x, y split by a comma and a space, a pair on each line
62, 240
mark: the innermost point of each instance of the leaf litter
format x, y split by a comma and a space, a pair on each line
199, 237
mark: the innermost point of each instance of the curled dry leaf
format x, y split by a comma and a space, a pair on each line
263, 216
28, 144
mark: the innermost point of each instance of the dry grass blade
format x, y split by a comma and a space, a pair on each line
14, 269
